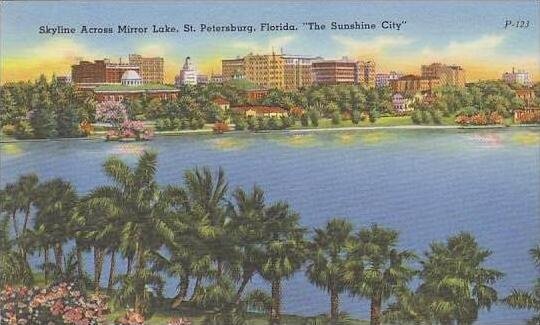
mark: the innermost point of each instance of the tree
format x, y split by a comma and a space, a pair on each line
455, 285
100, 224
206, 192
283, 250
142, 208
67, 121
304, 120
314, 117
327, 260
14, 268
42, 116
247, 221
336, 118
239, 123
376, 269
355, 118
55, 208
522, 299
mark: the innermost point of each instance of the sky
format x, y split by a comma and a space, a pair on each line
470, 34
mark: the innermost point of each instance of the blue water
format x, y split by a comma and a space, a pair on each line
428, 184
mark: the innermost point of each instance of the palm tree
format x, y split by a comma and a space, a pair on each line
522, 299
455, 283
376, 269
207, 192
283, 249
142, 208
327, 260
246, 226
11, 203
28, 189
98, 220
55, 209
19, 197
14, 269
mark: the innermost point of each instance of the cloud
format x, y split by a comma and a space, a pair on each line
54, 56
371, 47
154, 49
485, 46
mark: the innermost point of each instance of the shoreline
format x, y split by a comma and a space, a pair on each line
98, 135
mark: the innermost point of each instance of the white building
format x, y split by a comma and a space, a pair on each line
521, 77
383, 79
188, 74
131, 78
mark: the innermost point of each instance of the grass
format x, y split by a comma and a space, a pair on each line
161, 317
382, 121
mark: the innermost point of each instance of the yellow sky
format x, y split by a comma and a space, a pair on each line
478, 57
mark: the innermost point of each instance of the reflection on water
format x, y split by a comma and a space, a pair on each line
526, 138
487, 140
11, 149
346, 139
229, 143
299, 141
374, 138
127, 148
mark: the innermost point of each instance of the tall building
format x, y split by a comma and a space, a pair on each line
449, 75
266, 70
383, 79
188, 74
151, 69
333, 72
297, 71
90, 74
232, 67
520, 77
413, 84
366, 73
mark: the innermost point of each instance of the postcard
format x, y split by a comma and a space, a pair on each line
269, 162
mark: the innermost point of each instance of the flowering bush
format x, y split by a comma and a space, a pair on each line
179, 321
135, 129
479, 119
111, 112
86, 127
528, 117
60, 304
220, 127
130, 318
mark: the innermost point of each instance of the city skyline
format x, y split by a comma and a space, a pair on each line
485, 52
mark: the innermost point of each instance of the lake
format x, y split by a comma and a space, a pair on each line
428, 184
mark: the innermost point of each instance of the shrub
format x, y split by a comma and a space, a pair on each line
436, 116
220, 127
86, 128
130, 318
60, 304
239, 123
373, 116
355, 118
8, 129
336, 118
416, 117
304, 120
424, 116
179, 321
163, 124
24, 130
314, 117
